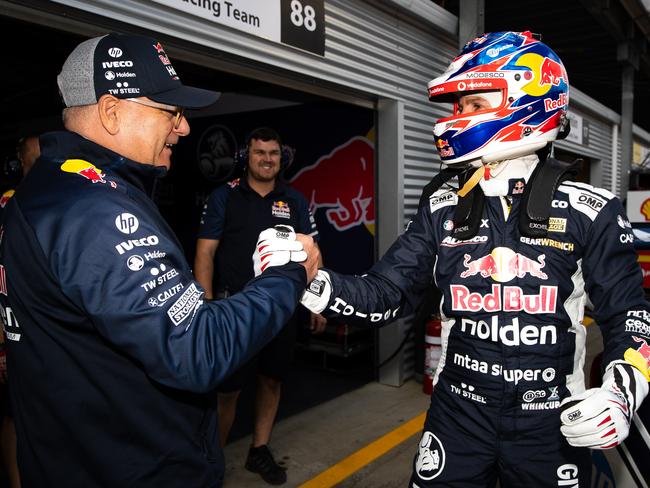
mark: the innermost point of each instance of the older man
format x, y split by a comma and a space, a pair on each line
112, 346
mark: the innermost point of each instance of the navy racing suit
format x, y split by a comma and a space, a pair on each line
513, 342
112, 350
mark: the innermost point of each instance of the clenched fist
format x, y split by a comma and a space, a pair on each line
277, 246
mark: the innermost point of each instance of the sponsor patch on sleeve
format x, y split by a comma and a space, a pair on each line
185, 305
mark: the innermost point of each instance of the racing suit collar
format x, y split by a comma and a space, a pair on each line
62, 145
506, 176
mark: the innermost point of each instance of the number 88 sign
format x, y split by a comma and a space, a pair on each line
303, 25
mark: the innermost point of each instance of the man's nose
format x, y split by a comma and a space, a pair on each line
184, 127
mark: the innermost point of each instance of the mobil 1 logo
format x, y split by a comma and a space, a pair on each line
303, 25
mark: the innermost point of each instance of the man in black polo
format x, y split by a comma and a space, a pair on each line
232, 219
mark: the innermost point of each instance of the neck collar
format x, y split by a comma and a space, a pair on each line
60, 146
507, 175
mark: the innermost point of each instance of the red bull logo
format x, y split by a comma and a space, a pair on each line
545, 73
506, 298
644, 350
551, 73
444, 149
281, 209
343, 182
6, 196
503, 265
85, 169
553, 104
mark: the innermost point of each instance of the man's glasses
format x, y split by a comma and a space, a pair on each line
177, 113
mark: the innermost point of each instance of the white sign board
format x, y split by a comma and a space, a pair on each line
576, 128
299, 23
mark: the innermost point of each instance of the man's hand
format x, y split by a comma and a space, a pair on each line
312, 255
277, 246
318, 293
601, 417
317, 323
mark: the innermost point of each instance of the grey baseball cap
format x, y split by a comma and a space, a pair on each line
126, 66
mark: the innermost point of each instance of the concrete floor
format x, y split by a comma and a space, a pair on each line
314, 440
318, 438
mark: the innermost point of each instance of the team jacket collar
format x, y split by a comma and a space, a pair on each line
59, 146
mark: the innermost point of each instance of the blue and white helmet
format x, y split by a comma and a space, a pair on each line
529, 113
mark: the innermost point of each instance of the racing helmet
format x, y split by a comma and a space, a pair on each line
529, 113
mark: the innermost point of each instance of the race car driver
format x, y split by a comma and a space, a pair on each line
515, 251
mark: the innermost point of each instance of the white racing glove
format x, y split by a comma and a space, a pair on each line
601, 417
318, 293
277, 246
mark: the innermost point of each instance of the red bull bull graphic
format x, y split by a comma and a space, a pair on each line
503, 265
545, 73
550, 73
85, 169
343, 182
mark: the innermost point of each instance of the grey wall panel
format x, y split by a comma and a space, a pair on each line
374, 48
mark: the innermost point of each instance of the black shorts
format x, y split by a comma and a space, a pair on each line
274, 360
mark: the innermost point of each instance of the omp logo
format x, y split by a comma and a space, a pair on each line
444, 200
574, 415
591, 201
316, 287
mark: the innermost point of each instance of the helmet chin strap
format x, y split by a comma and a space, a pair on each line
472, 181
496, 174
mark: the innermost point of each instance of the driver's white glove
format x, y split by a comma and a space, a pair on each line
318, 293
277, 246
601, 417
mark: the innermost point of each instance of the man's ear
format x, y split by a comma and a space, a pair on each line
109, 113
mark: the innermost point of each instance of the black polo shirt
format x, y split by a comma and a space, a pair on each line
235, 215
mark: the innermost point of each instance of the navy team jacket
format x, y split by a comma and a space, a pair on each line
112, 351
